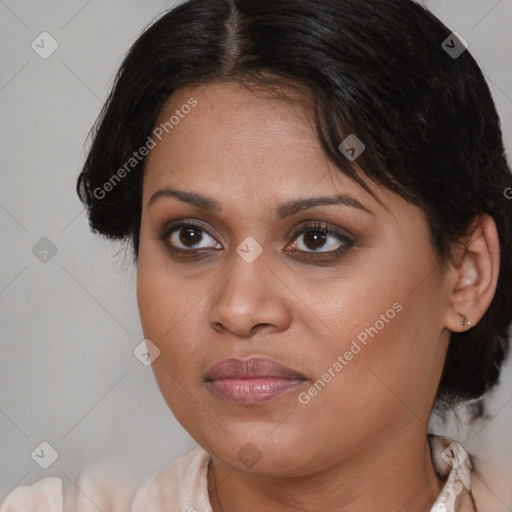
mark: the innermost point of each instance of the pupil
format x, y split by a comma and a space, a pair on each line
187, 236
314, 236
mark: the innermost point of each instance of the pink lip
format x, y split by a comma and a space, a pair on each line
253, 380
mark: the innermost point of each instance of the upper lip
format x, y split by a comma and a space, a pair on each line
251, 368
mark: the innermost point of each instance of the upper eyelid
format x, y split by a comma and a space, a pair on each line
181, 223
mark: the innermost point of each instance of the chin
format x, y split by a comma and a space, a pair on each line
279, 455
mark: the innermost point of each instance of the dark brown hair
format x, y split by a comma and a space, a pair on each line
375, 68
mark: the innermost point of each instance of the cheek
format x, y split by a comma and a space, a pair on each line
381, 369
354, 398
164, 317
159, 296
380, 355
172, 316
161, 307
150, 302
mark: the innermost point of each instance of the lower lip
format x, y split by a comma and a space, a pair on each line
251, 391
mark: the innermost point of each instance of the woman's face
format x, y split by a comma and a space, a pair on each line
355, 316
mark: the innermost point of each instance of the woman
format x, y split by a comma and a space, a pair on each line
316, 196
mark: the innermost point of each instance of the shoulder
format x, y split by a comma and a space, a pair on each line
43, 496
181, 485
100, 486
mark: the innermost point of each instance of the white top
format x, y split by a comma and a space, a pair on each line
182, 487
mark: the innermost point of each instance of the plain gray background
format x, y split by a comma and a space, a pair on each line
70, 324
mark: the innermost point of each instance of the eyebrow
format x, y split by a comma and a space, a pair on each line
282, 211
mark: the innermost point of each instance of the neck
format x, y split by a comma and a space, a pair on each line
398, 474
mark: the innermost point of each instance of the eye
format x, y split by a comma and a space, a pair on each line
320, 238
189, 237
316, 238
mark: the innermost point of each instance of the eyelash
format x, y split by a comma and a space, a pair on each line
347, 240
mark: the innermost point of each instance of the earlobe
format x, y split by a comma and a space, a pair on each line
475, 275
464, 322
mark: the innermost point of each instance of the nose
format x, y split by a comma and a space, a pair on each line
250, 297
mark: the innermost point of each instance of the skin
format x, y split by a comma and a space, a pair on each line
360, 443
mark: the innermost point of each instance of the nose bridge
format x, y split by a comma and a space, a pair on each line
244, 282
246, 296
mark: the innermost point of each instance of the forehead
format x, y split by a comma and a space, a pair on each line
244, 146
234, 130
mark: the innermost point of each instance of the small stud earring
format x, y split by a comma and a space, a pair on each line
463, 319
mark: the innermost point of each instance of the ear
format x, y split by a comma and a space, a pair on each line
474, 276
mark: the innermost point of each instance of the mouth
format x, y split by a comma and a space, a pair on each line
253, 380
